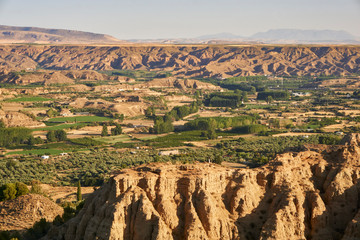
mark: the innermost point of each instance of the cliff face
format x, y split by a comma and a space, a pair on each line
223, 61
314, 194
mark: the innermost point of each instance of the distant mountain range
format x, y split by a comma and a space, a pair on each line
290, 36
305, 35
10, 34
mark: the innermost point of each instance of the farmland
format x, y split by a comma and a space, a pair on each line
243, 120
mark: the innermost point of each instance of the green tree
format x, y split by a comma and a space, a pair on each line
11, 163
31, 141
21, 189
252, 90
14, 136
51, 113
218, 159
269, 99
50, 136
211, 134
38, 140
2, 124
117, 130
78, 193
104, 131
9, 191
60, 135
36, 188
150, 112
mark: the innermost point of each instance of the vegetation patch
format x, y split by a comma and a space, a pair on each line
29, 99
80, 119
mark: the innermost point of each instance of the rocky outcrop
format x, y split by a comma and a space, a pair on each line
214, 61
18, 119
307, 195
22, 212
27, 78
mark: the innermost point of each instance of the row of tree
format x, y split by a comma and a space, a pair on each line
56, 135
276, 95
13, 136
221, 122
117, 130
226, 99
13, 190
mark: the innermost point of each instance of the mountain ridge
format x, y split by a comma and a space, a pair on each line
272, 36
187, 61
14, 34
307, 36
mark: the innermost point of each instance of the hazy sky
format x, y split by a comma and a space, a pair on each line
127, 19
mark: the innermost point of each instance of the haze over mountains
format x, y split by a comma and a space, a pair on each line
305, 35
10, 34
284, 36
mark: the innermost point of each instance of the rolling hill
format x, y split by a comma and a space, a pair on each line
10, 34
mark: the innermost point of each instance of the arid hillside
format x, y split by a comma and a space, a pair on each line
22, 212
11, 34
201, 60
313, 194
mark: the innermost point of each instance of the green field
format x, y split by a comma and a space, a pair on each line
113, 139
80, 119
147, 137
175, 139
29, 99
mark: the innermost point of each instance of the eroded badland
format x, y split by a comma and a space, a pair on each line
179, 141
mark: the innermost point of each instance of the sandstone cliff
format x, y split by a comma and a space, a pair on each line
221, 61
314, 194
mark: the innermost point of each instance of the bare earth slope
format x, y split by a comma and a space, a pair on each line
22, 212
222, 61
314, 194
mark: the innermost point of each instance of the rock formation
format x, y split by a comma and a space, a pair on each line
22, 212
313, 194
18, 119
190, 61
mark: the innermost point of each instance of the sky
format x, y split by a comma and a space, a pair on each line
155, 19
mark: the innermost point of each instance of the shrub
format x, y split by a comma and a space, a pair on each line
9, 191
104, 131
36, 188
21, 189
117, 130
